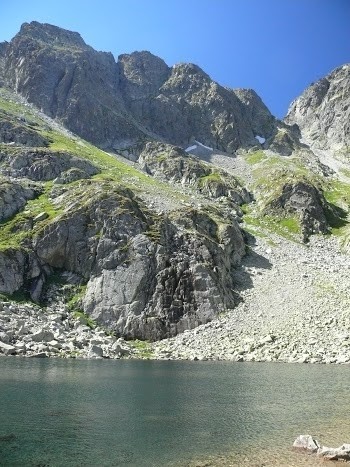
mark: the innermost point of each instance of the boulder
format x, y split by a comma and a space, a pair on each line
95, 351
13, 197
308, 203
42, 336
7, 349
39, 355
335, 454
44, 165
307, 443
4, 337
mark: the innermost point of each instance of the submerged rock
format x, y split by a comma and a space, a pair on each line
9, 437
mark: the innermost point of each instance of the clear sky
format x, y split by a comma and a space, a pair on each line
277, 47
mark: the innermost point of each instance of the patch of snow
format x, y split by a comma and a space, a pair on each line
190, 148
260, 139
203, 146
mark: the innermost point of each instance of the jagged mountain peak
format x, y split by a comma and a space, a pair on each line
118, 105
140, 57
189, 69
142, 73
262, 121
51, 34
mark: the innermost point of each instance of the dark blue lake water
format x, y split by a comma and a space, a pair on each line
147, 413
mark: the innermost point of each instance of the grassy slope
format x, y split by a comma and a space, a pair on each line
270, 174
113, 172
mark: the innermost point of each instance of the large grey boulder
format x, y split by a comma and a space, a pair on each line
335, 454
7, 349
42, 336
175, 284
306, 443
308, 203
14, 196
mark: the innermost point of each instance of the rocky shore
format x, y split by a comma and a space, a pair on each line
294, 308
31, 331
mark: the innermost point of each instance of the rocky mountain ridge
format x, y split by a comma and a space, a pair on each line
146, 239
132, 99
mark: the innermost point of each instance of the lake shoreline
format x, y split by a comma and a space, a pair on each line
172, 414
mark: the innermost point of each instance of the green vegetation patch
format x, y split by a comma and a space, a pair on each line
255, 157
213, 177
338, 192
142, 349
345, 172
20, 296
75, 297
87, 320
259, 224
21, 226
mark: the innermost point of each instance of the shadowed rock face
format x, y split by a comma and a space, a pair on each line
13, 197
117, 105
20, 133
55, 69
323, 111
261, 121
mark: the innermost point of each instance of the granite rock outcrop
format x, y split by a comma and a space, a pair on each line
322, 112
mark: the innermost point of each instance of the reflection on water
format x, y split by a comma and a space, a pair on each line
140, 413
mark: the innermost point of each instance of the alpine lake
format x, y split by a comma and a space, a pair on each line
156, 413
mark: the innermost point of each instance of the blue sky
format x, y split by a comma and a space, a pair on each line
277, 47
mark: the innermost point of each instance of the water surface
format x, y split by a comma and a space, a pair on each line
148, 413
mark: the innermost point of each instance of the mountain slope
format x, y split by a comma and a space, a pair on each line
82, 212
160, 241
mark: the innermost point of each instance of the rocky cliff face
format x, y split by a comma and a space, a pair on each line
117, 105
146, 277
322, 112
72, 82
